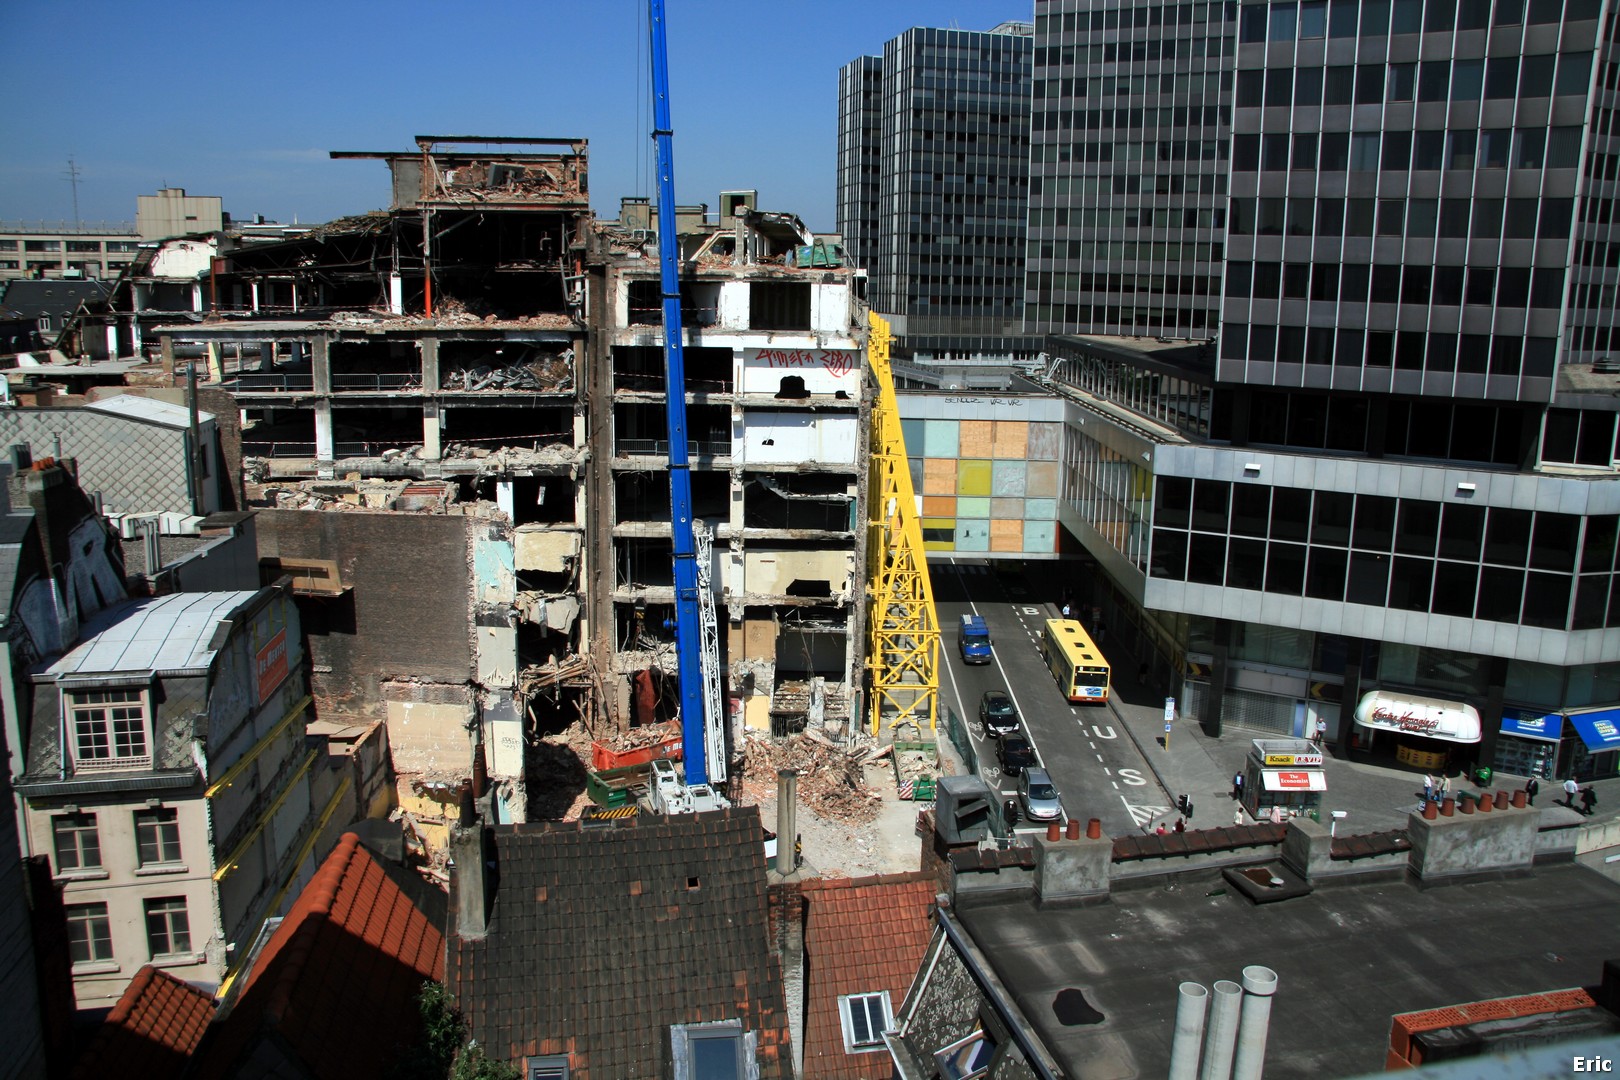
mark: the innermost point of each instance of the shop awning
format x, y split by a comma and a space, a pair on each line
1432, 718
1293, 779
1598, 730
1549, 727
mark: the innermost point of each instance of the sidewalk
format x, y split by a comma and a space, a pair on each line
1375, 797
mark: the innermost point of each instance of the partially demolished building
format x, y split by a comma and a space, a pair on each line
485, 349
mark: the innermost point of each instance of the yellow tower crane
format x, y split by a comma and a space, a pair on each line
902, 627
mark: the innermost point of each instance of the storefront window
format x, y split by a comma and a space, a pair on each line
1593, 684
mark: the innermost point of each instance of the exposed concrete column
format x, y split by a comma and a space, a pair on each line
323, 430
112, 339
321, 364
253, 292
396, 294
1490, 717
432, 435
166, 352
596, 576
1259, 983
1219, 674
1192, 1001
267, 355
1350, 694
430, 365
1223, 1026
470, 891
197, 297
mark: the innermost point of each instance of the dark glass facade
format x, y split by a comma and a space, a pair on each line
944, 240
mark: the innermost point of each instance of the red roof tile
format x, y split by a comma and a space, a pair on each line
861, 936
336, 984
151, 1031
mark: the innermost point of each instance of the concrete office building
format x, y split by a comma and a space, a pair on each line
1375, 460
932, 173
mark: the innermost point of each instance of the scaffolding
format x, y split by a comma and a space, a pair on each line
902, 627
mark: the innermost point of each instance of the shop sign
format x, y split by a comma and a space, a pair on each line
1294, 781
1273, 760
1453, 721
270, 665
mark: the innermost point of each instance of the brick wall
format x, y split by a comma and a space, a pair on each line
407, 612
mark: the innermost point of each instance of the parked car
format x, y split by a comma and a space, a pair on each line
998, 714
1015, 754
1039, 796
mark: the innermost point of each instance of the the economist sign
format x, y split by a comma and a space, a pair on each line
270, 665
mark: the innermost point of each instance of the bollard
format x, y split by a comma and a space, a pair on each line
1448, 807
1501, 800
1054, 831
1073, 831
1094, 829
1520, 799
1430, 811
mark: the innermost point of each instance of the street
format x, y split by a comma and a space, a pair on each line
1097, 768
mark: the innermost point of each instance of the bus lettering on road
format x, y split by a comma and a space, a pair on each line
1132, 777
1103, 731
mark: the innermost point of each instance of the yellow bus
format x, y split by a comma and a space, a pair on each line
1076, 663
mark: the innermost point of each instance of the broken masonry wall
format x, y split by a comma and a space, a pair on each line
405, 613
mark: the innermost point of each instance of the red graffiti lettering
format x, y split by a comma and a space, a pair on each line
838, 364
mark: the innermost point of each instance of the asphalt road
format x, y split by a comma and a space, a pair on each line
1098, 770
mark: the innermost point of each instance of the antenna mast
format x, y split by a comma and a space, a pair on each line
72, 174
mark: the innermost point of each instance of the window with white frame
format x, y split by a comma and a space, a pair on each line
168, 927
866, 1017
78, 846
714, 1051
157, 835
89, 933
110, 728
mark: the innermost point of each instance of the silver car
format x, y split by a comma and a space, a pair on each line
1039, 797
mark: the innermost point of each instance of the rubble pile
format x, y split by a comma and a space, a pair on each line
543, 373
832, 780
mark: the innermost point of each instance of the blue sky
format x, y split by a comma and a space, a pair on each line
243, 100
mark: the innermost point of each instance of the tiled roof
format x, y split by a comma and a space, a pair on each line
335, 987
861, 936
151, 1031
601, 937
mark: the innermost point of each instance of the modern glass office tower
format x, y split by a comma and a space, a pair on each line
933, 161
1382, 469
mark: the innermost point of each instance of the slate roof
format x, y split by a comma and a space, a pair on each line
860, 936
151, 1031
332, 995
601, 937
51, 296
168, 634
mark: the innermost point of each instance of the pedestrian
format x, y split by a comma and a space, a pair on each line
1237, 815
1065, 611
1237, 786
1181, 826
1571, 789
1428, 789
1321, 730
1588, 800
1160, 830
1445, 787
1531, 786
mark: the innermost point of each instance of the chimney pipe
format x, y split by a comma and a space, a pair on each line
1094, 829
1259, 983
1054, 831
1223, 1026
1073, 833
787, 793
1192, 1001
467, 806
151, 547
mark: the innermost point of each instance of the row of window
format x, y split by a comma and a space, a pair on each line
1176, 116
1536, 75
1392, 283
1290, 21
75, 246
1105, 251
1135, 16
1416, 219
168, 930
77, 840
1408, 151
1499, 564
1406, 350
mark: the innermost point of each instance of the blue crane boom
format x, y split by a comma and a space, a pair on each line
687, 617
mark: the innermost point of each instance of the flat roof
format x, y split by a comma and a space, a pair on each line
148, 409
169, 633
1348, 958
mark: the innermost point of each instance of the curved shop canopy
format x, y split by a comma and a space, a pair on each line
1433, 718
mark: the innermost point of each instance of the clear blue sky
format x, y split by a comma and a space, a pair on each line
243, 100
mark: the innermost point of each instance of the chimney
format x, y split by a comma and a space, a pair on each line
787, 790
470, 887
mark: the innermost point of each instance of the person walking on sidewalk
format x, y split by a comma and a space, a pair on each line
1531, 786
1444, 791
1237, 787
1571, 789
1428, 789
1588, 800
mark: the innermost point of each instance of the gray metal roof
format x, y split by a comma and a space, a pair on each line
148, 409
166, 634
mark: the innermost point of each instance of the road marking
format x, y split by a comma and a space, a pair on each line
1102, 732
1142, 815
1030, 611
1099, 757
1133, 777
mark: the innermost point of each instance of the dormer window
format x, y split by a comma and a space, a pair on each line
110, 729
715, 1051
866, 1017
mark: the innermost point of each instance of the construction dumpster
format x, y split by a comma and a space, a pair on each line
611, 788
916, 766
604, 758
